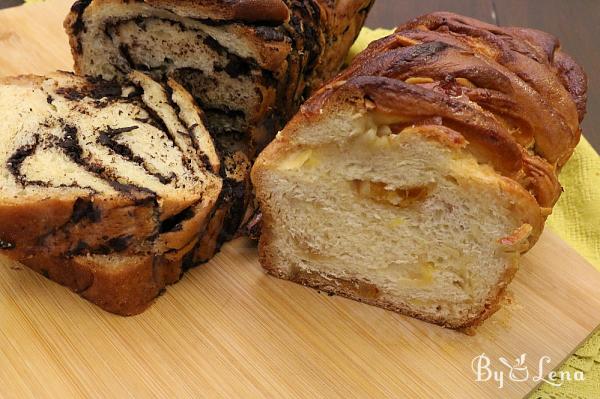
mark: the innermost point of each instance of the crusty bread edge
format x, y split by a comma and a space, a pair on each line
326, 283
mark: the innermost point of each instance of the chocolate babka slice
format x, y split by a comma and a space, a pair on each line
248, 64
105, 187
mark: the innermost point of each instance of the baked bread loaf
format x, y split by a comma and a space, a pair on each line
416, 178
247, 63
106, 188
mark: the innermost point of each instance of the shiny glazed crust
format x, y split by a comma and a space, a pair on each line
532, 94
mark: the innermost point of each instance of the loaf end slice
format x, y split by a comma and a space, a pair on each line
105, 186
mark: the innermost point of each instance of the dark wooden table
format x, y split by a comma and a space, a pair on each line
575, 22
10, 3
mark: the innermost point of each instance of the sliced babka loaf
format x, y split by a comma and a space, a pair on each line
416, 178
247, 63
94, 171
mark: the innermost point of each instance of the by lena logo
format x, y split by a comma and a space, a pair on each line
517, 371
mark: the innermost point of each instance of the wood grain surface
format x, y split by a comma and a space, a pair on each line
229, 330
574, 22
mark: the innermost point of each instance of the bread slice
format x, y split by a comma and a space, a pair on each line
416, 178
103, 180
248, 64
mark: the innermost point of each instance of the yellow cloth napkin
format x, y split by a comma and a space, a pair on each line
576, 216
576, 219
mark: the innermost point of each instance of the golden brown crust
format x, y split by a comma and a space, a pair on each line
18, 230
518, 73
126, 287
56, 226
528, 53
491, 86
487, 140
366, 292
272, 11
570, 73
574, 79
410, 104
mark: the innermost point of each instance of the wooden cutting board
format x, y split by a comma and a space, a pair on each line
227, 329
